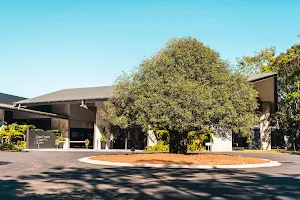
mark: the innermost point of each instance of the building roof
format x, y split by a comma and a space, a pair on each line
12, 108
92, 94
9, 99
71, 95
258, 77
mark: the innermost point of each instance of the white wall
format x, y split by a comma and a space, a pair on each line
222, 140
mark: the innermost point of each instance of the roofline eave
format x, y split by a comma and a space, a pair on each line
51, 115
60, 102
262, 78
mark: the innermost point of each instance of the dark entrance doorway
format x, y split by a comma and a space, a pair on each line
79, 135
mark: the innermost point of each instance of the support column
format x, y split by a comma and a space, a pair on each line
2, 115
97, 136
265, 131
97, 131
151, 138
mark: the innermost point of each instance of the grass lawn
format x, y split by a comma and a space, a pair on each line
190, 159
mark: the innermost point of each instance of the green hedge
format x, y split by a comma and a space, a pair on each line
160, 146
196, 140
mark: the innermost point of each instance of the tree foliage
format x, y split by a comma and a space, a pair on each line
184, 87
287, 65
260, 62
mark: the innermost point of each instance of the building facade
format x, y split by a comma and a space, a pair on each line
76, 113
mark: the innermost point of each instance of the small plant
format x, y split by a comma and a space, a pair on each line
86, 142
7, 146
103, 138
20, 145
159, 147
57, 142
60, 137
112, 137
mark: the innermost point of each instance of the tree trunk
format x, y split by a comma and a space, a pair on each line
178, 142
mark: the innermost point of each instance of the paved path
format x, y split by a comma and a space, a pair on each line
59, 175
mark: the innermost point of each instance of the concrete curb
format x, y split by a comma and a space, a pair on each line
118, 164
87, 150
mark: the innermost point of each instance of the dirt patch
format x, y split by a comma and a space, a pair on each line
191, 159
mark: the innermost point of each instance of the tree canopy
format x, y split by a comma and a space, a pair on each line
260, 62
287, 65
184, 87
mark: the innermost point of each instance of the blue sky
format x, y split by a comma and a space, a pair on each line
50, 45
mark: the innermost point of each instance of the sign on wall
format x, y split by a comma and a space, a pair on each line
41, 139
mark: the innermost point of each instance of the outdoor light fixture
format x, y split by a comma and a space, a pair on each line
20, 106
83, 105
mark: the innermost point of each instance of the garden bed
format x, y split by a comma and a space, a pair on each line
190, 159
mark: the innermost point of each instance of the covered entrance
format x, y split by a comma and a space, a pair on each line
78, 137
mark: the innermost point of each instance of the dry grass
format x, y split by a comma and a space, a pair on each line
191, 159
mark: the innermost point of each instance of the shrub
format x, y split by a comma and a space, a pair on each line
103, 138
20, 145
57, 142
196, 140
160, 146
7, 146
60, 137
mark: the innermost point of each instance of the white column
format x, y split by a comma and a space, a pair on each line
97, 136
2, 115
108, 139
265, 131
151, 138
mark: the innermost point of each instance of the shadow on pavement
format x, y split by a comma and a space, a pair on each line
4, 163
148, 183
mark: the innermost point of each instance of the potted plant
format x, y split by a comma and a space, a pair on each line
87, 142
112, 140
103, 141
57, 142
103, 138
61, 139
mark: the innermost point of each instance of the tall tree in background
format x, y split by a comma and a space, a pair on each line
287, 65
261, 62
184, 87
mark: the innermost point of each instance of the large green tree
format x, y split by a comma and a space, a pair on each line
287, 65
184, 87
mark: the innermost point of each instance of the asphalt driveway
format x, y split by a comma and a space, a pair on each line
59, 175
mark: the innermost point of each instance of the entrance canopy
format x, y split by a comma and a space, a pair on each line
266, 86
